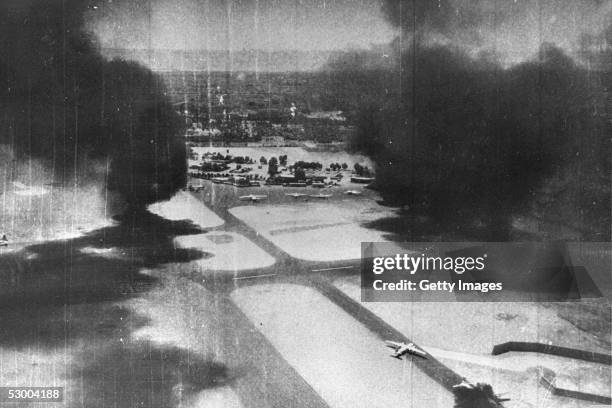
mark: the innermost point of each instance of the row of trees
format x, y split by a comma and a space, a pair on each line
308, 165
231, 159
282, 160
208, 166
208, 175
338, 166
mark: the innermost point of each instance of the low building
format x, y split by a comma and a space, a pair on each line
362, 180
285, 178
272, 141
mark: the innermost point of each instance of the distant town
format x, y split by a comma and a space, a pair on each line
240, 109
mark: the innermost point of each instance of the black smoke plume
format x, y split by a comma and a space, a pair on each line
88, 119
514, 29
468, 141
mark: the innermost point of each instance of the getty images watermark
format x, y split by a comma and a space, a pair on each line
472, 272
411, 264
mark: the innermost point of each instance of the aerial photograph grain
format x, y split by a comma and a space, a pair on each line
305, 203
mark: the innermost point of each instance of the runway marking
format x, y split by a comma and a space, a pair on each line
305, 228
333, 269
255, 276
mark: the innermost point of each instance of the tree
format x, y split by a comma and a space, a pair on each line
300, 174
263, 160
344, 166
272, 166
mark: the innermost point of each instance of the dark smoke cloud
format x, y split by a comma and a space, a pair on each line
469, 141
63, 103
514, 29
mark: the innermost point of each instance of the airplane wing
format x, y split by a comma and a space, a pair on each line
393, 344
403, 348
416, 350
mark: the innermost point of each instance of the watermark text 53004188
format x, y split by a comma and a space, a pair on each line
31, 394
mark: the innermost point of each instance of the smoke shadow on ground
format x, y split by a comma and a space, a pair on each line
111, 368
63, 308
150, 376
102, 265
418, 227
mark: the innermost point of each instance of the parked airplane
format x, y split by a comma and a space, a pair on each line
253, 197
352, 192
295, 195
320, 195
405, 348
